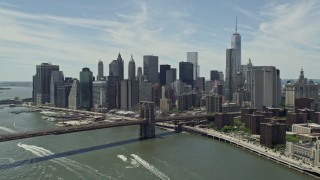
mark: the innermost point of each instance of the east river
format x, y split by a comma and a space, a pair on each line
117, 153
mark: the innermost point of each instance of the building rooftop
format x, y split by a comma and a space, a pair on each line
305, 143
311, 125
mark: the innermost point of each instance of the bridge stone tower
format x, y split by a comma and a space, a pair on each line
147, 130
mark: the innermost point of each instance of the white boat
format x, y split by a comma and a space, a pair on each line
63, 124
48, 112
51, 119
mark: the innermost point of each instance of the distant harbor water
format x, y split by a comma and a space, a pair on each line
16, 91
117, 153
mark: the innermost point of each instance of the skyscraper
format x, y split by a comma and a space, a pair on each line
74, 95
99, 89
43, 81
200, 84
116, 68
171, 76
150, 68
163, 70
236, 44
139, 73
231, 72
249, 81
132, 69
186, 72
140, 77
214, 103
34, 88
86, 88
193, 58
221, 76
214, 75
63, 92
57, 79
129, 94
267, 87
100, 76
145, 91
114, 80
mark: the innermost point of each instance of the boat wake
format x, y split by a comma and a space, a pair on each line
6, 160
7, 129
80, 170
122, 157
136, 161
150, 167
133, 162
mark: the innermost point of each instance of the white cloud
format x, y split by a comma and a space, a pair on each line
43, 37
287, 38
248, 13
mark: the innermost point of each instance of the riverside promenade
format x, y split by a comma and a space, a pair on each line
257, 149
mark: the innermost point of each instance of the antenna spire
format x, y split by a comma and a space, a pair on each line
236, 24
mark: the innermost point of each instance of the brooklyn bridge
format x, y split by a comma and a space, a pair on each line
147, 124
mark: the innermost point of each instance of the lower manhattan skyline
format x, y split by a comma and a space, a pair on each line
77, 34
147, 89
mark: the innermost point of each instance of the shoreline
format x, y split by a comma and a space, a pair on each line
249, 147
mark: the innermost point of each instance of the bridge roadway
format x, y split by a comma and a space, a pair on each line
183, 118
97, 125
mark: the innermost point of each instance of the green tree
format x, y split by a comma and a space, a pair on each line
227, 129
212, 126
292, 138
174, 110
237, 121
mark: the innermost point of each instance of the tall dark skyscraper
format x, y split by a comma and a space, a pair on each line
132, 69
114, 80
116, 68
63, 92
163, 70
214, 75
86, 78
43, 81
139, 73
186, 72
236, 44
150, 68
34, 88
171, 76
231, 72
100, 76
200, 83
249, 81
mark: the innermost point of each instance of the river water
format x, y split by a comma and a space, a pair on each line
117, 153
15, 91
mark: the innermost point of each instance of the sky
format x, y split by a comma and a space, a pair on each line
77, 33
